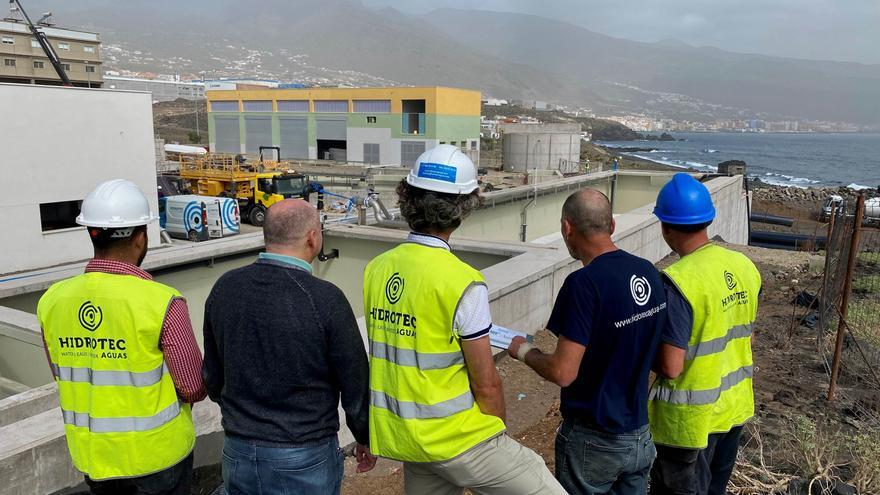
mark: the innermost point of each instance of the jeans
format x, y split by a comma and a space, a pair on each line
589, 461
696, 471
253, 469
175, 480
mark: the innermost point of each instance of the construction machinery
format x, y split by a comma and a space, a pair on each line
256, 185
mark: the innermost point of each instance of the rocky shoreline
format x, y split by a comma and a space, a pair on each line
800, 196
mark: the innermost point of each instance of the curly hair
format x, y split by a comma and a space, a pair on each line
429, 211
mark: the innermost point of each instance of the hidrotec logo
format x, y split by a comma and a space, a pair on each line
394, 288
90, 316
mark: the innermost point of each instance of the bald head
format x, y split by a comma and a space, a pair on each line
289, 223
589, 213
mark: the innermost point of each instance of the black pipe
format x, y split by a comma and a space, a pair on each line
772, 219
786, 240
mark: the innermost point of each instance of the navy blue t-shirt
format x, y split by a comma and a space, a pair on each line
616, 308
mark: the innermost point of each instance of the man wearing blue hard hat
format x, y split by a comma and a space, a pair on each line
704, 393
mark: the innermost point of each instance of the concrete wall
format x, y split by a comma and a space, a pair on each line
59, 144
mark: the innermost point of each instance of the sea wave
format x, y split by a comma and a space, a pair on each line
708, 150
787, 180
858, 187
683, 164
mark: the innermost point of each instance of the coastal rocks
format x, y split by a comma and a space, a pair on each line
779, 194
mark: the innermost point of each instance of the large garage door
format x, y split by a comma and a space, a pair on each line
227, 135
258, 132
294, 137
410, 151
331, 129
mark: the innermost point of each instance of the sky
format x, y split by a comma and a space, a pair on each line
843, 30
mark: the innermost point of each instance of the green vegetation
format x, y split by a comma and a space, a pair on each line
866, 284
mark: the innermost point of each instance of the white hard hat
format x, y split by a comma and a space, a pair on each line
115, 204
444, 168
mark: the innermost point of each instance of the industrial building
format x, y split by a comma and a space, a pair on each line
540, 146
22, 60
45, 184
161, 90
369, 125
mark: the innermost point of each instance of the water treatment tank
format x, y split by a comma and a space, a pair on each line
539, 146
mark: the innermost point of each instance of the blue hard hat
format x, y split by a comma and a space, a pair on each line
684, 201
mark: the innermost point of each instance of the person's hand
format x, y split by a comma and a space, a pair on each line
515, 343
366, 461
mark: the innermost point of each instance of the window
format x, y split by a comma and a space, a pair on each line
60, 215
331, 106
65, 67
90, 68
474, 144
39, 64
371, 119
372, 106
464, 145
224, 106
7, 40
258, 106
35, 43
63, 46
9, 62
293, 105
89, 49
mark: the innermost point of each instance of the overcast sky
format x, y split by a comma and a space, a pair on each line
846, 30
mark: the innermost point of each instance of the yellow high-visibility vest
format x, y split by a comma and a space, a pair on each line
122, 416
714, 391
421, 405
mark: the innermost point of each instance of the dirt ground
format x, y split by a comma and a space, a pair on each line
790, 379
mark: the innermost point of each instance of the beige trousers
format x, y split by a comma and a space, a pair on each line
497, 466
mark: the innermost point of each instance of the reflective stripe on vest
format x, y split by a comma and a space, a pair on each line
714, 391
121, 425
414, 410
700, 397
122, 416
421, 405
719, 344
409, 357
109, 378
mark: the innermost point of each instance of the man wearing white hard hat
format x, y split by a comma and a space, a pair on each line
436, 400
123, 353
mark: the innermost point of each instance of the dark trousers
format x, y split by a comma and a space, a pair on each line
590, 462
696, 471
175, 480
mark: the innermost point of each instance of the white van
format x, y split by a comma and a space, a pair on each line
198, 218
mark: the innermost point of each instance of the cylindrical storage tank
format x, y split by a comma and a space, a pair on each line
539, 146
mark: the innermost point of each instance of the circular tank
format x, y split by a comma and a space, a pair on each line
539, 146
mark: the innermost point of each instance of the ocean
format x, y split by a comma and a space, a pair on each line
800, 160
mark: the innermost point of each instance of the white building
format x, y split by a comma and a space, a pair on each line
58, 144
162, 90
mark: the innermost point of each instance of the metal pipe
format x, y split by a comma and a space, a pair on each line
847, 292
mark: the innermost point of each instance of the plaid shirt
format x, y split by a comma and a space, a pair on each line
177, 341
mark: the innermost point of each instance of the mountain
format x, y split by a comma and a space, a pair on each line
806, 89
504, 55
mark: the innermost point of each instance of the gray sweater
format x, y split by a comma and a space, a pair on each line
281, 347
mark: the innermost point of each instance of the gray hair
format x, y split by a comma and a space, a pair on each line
429, 211
289, 221
589, 212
